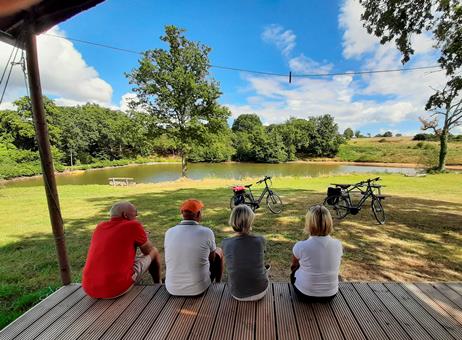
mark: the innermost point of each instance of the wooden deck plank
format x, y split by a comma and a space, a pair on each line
438, 313
449, 293
161, 327
386, 320
224, 324
148, 316
185, 320
205, 320
405, 319
450, 307
51, 316
85, 320
363, 311
286, 325
36, 312
97, 329
328, 325
129, 315
306, 320
345, 318
362, 314
67, 319
265, 328
244, 327
455, 286
425, 319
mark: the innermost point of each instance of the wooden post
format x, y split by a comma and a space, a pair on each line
41, 131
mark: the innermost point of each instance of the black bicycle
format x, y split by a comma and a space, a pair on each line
338, 199
241, 196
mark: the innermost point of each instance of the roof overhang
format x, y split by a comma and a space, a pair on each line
40, 15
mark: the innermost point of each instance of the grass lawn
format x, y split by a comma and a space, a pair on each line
421, 241
397, 150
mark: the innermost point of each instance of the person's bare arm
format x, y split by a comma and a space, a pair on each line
295, 263
148, 248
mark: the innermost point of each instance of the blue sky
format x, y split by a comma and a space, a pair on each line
273, 36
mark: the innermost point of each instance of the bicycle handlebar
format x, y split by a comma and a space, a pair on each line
264, 179
368, 181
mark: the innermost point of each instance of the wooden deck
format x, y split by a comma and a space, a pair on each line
360, 311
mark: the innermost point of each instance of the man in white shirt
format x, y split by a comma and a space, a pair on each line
191, 257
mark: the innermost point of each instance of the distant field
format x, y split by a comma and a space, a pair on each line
397, 150
421, 241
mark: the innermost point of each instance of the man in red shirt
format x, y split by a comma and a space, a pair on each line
112, 267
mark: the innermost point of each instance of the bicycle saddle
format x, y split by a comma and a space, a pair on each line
248, 186
343, 186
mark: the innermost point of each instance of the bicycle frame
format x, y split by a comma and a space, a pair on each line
366, 194
263, 193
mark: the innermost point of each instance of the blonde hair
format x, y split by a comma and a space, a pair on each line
318, 221
241, 219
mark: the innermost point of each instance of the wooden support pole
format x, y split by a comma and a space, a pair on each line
41, 131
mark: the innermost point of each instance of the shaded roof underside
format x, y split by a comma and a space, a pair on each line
43, 15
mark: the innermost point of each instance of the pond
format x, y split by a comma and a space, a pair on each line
152, 173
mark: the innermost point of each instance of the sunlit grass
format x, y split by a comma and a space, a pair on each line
421, 241
397, 150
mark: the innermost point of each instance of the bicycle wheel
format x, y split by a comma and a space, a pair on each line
378, 211
337, 205
274, 203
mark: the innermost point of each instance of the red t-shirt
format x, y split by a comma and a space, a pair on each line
109, 267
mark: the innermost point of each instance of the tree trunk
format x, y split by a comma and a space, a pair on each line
184, 165
443, 150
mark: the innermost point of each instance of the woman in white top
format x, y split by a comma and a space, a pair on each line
316, 261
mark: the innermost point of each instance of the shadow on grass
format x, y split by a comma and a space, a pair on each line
421, 240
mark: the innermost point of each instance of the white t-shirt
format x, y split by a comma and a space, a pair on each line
187, 249
319, 258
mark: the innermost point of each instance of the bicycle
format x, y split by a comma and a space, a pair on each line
273, 201
338, 199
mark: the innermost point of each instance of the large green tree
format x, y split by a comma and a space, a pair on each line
399, 21
174, 85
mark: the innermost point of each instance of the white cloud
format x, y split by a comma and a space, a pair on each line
64, 73
303, 65
386, 99
356, 40
125, 101
284, 40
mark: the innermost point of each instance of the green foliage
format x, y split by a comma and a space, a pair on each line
174, 85
401, 21
313, 137
348, 133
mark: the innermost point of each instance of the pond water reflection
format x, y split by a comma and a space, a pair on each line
152, 173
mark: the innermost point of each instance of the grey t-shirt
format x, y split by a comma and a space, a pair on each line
244, 257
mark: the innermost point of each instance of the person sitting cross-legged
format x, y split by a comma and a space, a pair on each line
112, 268
192, 259
245, 257
316, 261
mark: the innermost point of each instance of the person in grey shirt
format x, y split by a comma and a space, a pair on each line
244, 257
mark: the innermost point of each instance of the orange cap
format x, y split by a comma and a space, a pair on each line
191, 205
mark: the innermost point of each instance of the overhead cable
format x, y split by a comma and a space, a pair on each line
275, 74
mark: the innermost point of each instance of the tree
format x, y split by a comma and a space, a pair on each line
399, 21
174, 86
358, 134
254, 143
388, 134
447, 114
348, 133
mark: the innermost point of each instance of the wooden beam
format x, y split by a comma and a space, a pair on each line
41, 131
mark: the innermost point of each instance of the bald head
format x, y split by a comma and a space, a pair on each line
124, 209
